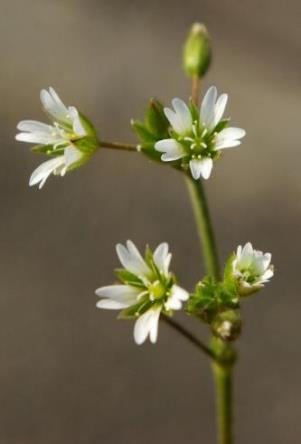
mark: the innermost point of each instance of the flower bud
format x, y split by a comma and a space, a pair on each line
197, 51
227, 325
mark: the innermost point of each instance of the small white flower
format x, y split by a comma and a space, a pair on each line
57, 140
198, 141
58, 166
252, 269
148, 289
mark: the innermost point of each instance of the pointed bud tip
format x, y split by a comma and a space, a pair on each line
199, 29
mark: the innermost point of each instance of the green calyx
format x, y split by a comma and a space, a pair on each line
154, 127
217, 304
211, 298
197, 51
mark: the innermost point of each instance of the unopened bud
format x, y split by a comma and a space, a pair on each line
197, 51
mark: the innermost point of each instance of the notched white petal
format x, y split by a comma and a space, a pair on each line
200, 168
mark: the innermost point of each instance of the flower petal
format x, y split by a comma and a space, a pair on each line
38, 137
131, 259
226, 144
183, 115
162, 258
172, 149
126, 294
180, 119
76, 122
147, 324
207, 111
219, 108
109, 304
232, 133
201, 167
33, 126
178, 295
41, 173
72, 155
53, 105
267, 275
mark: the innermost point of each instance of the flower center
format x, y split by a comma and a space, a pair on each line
156, 290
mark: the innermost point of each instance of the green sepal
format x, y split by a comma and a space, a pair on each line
211, 298
155, 119
155, 127
194, 111
144, 134
86, 144
221, 125
48, 150
84, 159
128, 278
88, 126
203, 302
135, 311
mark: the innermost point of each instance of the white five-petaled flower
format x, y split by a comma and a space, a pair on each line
252, 269
56, 140
198, 136
148, 289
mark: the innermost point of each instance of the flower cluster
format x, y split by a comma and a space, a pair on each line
147, 290
69, 140
198, 136
217, 303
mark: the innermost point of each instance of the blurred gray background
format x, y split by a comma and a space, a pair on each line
70, 373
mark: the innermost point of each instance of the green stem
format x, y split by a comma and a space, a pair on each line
222, 372
204, 227
190, 337
223, 384
118, 146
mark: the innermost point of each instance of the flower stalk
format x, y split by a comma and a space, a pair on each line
204, 226
118, 146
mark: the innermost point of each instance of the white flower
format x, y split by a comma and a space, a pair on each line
58, 166
198, 140
148, 289
252, 269
57, 140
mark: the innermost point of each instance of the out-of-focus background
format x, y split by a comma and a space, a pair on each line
70, 373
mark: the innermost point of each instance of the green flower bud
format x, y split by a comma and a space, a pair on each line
227, 325
197, 51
